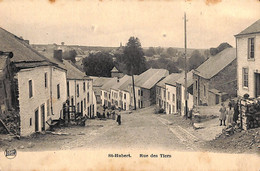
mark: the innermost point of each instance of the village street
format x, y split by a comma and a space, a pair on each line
139, 130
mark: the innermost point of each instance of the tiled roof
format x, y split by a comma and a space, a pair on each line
181, 80
109, 84
254, 28
170, 79
150, 77
114, 70
216, 63
125, 85
99, 81
122, 80
72, 71
24, 54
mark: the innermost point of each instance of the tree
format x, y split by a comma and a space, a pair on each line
134, 60
171, 51
195, 60
159, 50
99, 64
181, 62
221, 47
70, 55
150, 52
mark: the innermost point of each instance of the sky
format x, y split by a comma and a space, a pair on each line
109, 22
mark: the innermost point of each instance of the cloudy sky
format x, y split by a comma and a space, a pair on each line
107, 23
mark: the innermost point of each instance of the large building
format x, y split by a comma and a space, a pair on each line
41, 85
215, 80
248, 60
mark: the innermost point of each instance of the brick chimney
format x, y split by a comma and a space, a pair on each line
57, 54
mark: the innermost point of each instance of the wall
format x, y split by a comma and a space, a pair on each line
198, 91
41, 96
242, 61
146, 98
225, 80
82, 95
170, 102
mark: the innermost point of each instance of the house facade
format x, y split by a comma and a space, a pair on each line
145, 87
80, 91
106, 96
215, 79
40, 83
180, 93
165, 90
248, 60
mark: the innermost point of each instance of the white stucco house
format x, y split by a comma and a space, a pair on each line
41, 84
106, 92
248, 60
80, 91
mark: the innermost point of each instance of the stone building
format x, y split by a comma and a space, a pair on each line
215, 80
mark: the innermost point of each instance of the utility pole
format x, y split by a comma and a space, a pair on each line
133, 87
185, 53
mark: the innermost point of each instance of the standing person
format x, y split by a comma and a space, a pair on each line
113, 115
222, 116
108, 114
230, 113
118, 119
236, 112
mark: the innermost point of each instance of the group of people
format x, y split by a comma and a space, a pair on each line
111, 114
229, 113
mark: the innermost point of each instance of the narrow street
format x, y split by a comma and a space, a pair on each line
139, 130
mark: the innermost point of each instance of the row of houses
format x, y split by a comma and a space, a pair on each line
119, 92
232, 72
39, 88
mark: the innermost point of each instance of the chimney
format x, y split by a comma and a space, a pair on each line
57, 54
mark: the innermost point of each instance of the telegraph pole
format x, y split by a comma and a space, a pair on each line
185, 53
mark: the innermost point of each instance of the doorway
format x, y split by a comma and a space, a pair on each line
257, 84
43, 116
36, 114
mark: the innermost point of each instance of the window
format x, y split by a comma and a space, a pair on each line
173, 97
68, 88
138, 92
196, 84
164, 93
124, 96
88, 85
168, 95
141, 92
45, 79
58, 91
245, 77
30, 121
30, 89
88, 97
78, 107
251, 48
77, 90
84, 86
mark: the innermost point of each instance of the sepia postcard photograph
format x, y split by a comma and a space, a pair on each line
129, 85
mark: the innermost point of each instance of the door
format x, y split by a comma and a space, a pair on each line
36, 114
257, 85
217, 99
43, 116
81, 108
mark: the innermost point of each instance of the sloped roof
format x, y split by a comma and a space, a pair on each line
121, 82
181, 80
254, 28
114, 70
125, 85
99, 81
109, 84
24, 54
170, 79
73, 72
216, 63
150, 77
